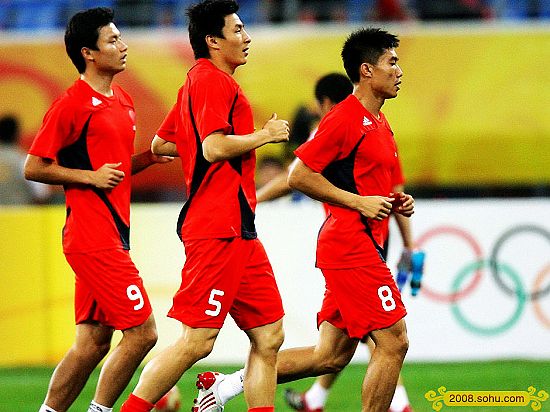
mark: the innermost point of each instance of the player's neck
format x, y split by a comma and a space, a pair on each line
101, 83
223, 65
369, 101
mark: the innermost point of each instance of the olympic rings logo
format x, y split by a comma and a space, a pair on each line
462, 286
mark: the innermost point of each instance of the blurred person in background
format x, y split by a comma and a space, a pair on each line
14, 189
226, 269
86, 143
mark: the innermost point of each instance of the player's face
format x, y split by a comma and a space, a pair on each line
112, 53
386, 79
234, 46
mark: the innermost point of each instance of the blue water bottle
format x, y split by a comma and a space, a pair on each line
403, 269
417, 269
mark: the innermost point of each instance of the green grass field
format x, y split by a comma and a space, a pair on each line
23, 389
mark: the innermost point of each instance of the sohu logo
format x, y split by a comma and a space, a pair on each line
513, 286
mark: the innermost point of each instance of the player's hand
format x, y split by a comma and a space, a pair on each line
403, 204
375, 207
277, 129
107, 176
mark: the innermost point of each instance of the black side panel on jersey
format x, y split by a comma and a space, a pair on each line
340, 174
199, 171
248, 228
76, 156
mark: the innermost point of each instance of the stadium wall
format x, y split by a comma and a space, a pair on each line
472, 109
465, 310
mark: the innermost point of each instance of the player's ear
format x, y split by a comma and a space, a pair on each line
212, 42
365, 70
87, 54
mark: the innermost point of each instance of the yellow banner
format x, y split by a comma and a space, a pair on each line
473, 108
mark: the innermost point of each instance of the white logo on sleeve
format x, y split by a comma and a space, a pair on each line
96, 101
366, 121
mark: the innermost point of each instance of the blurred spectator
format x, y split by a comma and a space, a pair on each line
451, 9
52, 14
268, 168
14, 189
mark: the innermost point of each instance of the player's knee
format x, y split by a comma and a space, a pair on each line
91, 350
268, 342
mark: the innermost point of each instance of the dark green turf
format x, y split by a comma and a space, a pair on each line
23, 389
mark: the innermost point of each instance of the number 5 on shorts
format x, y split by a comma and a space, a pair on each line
386, 297
216, 303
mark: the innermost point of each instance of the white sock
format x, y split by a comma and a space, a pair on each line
400, 399
316, 396
96, 407
231, 386
46, 408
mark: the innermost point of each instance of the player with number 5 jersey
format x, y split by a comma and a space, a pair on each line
226, 271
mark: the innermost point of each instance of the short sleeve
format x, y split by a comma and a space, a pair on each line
211, 103
326, 146
167, 130
56, 131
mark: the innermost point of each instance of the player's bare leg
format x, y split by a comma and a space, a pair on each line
384, 367
163, 371
260, 378
123, 361
332, 353
92, 343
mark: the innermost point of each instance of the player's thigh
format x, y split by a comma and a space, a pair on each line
109, 289
367, 298
335, 343
258, 301
211, 277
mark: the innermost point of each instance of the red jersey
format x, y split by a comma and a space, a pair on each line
356, 152
84, 129
221, 196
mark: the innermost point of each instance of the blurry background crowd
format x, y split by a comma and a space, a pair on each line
38, 14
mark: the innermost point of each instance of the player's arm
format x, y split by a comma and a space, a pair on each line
274, 189
162, 147
44, 170
316, 186
404, 224
147, 158
218, 146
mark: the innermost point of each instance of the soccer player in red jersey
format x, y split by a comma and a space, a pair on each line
226, 270
349, 165
86, 143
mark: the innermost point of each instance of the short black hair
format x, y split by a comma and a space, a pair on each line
9, 129
83, 31
207, 18
335, 86
365, 46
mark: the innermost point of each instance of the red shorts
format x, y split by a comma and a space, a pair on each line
222, 276
108, 289
360, 300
